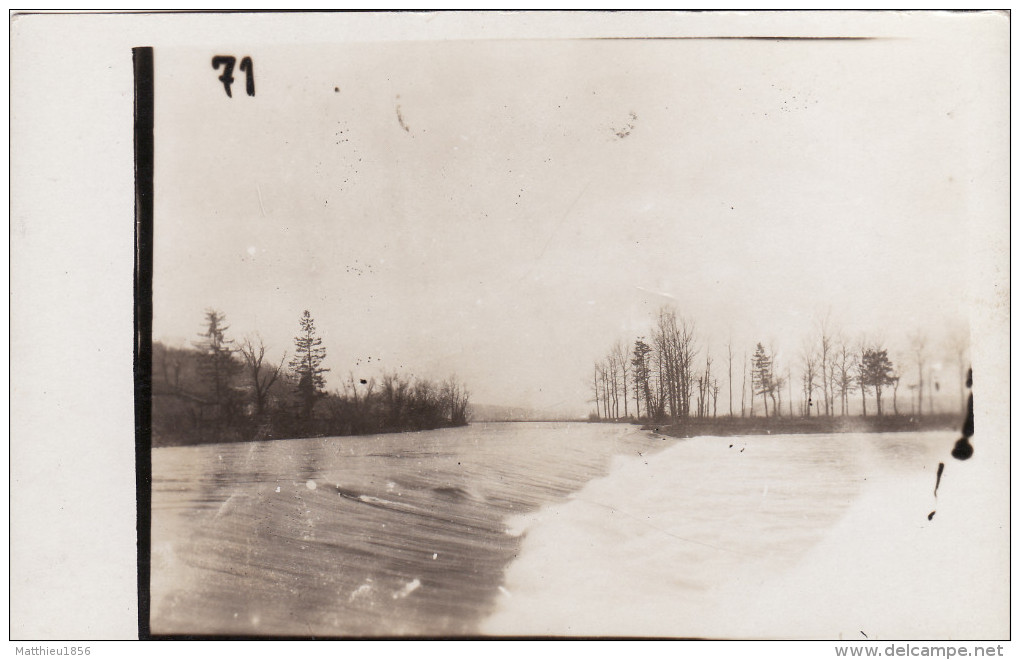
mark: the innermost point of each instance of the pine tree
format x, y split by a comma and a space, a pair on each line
761, 375
878, 372
642, 370
307, 365
217, 366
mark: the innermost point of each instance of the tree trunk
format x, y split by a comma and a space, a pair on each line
920, 387
625, 391
789, 390
729, 350
743, 386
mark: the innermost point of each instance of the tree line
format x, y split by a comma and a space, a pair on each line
668, 377
222, 390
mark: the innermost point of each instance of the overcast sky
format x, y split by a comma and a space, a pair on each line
506, 210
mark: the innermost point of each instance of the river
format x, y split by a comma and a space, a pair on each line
560, 529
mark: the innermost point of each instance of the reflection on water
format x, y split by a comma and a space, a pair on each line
412, 534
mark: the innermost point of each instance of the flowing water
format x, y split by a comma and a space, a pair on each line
577, 530
388, 535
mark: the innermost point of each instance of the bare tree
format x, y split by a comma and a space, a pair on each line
896, 386
702, 386
607, 390
705, 386
789, 385
608, 385
454, 399
729, 380
825, 362
918, 347
619, 354
675, 351
862, 377
617, 379
686, 351
809, 376
603, 380
661, 381
843, 372
778, 383
958, 345
743, 384
394, 399
253, 349
171, 363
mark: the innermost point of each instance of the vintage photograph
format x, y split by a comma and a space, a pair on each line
611, 335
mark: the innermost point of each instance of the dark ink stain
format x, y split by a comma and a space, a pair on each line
400, 118
931, 515
364, 382
626, 130
742, 449
963, 449
336, 90
938, 479
865, 634
731, 446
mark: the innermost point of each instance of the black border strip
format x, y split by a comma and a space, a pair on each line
144, 115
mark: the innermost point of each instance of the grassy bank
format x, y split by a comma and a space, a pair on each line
727, 426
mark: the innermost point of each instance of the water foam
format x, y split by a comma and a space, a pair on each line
703, 541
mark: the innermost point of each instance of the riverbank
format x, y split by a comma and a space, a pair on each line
736, 426
250, 432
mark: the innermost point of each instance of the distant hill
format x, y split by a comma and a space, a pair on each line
481, 412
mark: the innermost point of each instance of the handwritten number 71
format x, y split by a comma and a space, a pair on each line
227, 77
